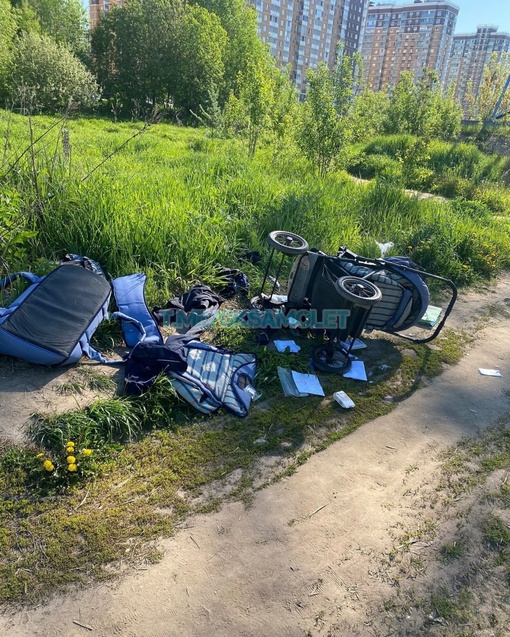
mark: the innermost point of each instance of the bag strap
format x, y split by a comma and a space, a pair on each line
138, 323
30, 276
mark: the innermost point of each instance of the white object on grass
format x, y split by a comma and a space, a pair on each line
307, 383
289, 345
343, 400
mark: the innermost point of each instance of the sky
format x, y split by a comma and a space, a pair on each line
475, 12
471, 14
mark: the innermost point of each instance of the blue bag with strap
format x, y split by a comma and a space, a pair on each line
53, 320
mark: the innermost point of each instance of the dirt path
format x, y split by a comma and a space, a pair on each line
311, 556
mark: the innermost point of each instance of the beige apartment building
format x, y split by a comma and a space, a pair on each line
302, 33
469, 56
97, 7
407, 37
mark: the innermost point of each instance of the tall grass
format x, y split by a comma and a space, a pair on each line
174, 203
450, 169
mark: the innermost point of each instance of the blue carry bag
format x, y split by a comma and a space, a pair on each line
53, 320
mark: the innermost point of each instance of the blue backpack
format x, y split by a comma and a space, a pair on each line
53, 320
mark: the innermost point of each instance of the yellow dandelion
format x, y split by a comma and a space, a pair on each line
70, 444
40, 455
72, 467
48, 465
71, 459
87, 452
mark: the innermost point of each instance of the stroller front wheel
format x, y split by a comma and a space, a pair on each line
330, 359
287, 242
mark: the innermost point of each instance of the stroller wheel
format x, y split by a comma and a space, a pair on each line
330, 359
358, 291
287, 242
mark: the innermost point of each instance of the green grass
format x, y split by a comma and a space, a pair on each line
453, 170
173, 202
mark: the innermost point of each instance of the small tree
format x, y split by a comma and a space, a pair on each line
323, 130
480, 103
368, 114
421, 108
51, 74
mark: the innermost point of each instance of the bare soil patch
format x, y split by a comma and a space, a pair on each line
348, 545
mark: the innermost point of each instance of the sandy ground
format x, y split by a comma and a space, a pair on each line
310, 556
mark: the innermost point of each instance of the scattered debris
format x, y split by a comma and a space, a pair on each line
86, 626
343, 399
490, 372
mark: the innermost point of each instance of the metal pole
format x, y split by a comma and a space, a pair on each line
494, 114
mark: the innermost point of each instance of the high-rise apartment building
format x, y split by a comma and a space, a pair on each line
302, 33
469, 56
407, 37
97, 7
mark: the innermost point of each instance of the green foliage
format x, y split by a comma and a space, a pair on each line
323, 129
14, 234
178, 201
368, 114
244, 48
496, 532
370, 166
47, 76
7, 31
421, 108
63, 20
185, 57
133, 50
200, 52
102, 422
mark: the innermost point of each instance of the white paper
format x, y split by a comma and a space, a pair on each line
490, 372
357, 371
307, 383
289, 345
358, 344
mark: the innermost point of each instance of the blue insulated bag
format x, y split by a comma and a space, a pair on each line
53, 320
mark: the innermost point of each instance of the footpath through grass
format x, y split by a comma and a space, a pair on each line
59, 529
173, 203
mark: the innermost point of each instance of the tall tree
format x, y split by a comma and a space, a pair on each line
64, 20
7, 31
134, 52
200, 52
243, 45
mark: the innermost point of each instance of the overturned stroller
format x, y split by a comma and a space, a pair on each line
388, 294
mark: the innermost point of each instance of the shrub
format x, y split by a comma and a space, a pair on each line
369, 166
496, 198
392, 145
47, 76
